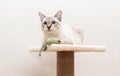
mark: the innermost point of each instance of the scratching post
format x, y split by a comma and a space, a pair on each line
65, 63
65, 55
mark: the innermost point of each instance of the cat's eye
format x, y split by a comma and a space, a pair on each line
53, 22
45, 23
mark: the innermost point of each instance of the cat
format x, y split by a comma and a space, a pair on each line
52, 27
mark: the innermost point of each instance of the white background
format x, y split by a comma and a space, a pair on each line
20, 29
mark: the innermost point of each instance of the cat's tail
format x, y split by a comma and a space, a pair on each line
79, 33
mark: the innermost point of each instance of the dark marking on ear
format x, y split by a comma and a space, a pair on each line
59, 15
42, 16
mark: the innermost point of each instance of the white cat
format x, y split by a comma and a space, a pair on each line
51, 27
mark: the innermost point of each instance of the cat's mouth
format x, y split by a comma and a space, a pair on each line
49, 30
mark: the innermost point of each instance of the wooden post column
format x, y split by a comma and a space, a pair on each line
65, 63
65, 55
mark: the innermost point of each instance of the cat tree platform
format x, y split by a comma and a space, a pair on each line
65, 55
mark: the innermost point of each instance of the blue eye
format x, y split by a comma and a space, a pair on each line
53, 22
45, 23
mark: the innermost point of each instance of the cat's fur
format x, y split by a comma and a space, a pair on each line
67, 33
52, 27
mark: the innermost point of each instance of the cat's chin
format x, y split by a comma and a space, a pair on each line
51, 32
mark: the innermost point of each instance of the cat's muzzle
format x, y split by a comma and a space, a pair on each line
49, 28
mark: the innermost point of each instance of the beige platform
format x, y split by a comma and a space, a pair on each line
65, 55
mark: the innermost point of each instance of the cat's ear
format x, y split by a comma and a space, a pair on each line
59, 15
42, 16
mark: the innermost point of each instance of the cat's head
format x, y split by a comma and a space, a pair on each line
51, 24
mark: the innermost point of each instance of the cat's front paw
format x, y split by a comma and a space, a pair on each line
66, 41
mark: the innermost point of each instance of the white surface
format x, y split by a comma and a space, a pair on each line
19, 29
75, 48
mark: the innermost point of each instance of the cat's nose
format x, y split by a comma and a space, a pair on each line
49, 27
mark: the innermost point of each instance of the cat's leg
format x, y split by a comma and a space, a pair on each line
66, 41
